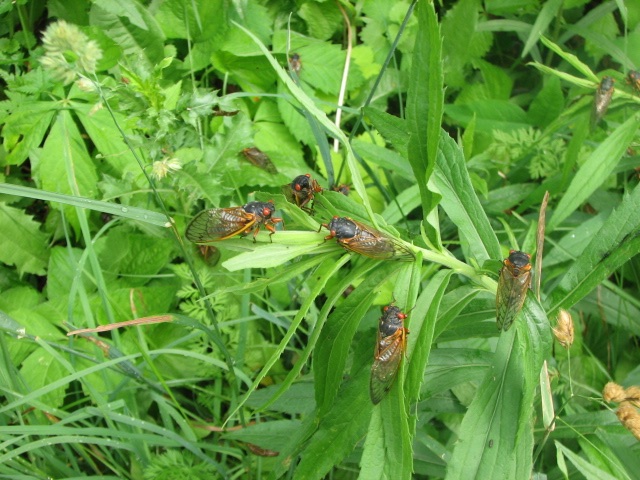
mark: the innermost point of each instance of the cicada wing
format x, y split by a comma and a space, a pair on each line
386, 364
219, 224
374, 244
512, 291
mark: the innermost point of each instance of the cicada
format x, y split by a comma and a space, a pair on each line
367, 241
391, 345
515, 279
301, 190
295, 63
343, 188
604, 92
633, 78
260, 159
222, 223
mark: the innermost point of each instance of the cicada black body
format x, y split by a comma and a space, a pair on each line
222, 223
633, 78
301, 191
602, 99
367, 241
391, 345
515, 279
295, 63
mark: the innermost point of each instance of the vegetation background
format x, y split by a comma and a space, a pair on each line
251, 360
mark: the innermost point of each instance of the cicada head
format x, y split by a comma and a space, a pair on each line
342, 228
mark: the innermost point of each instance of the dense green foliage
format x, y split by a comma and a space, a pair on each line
122, 120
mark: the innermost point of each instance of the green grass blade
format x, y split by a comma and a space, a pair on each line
133, 213
614, 244
595, 170
571, 60
586, 468
548, 12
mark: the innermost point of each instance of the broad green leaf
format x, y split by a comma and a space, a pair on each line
547, 14
64, 165
298, 399
613, 245
132, 27
462, 49
449, 367
287, 246
131, 254
334, 343
391, 428
394, 129
489, 115
196, 21
270, 435
345, 424
25, 129
589, 471
392, 161
322, 62
601, 456
63, 265
500, 417
422, 327
22, 243
424, 109
595, 170
322, 19
39, 370
107, 139
461, 204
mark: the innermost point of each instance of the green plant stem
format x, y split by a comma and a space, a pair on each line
458, 267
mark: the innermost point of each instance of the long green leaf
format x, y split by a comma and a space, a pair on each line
595, 170
345, 424
571, 59
304, 308
424, 108
548, 12
461, 203
330, 355
614, 244
590, 471
134, 213
391, 428
23, 244
499, 418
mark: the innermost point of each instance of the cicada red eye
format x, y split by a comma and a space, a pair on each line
301, 191
513, 283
